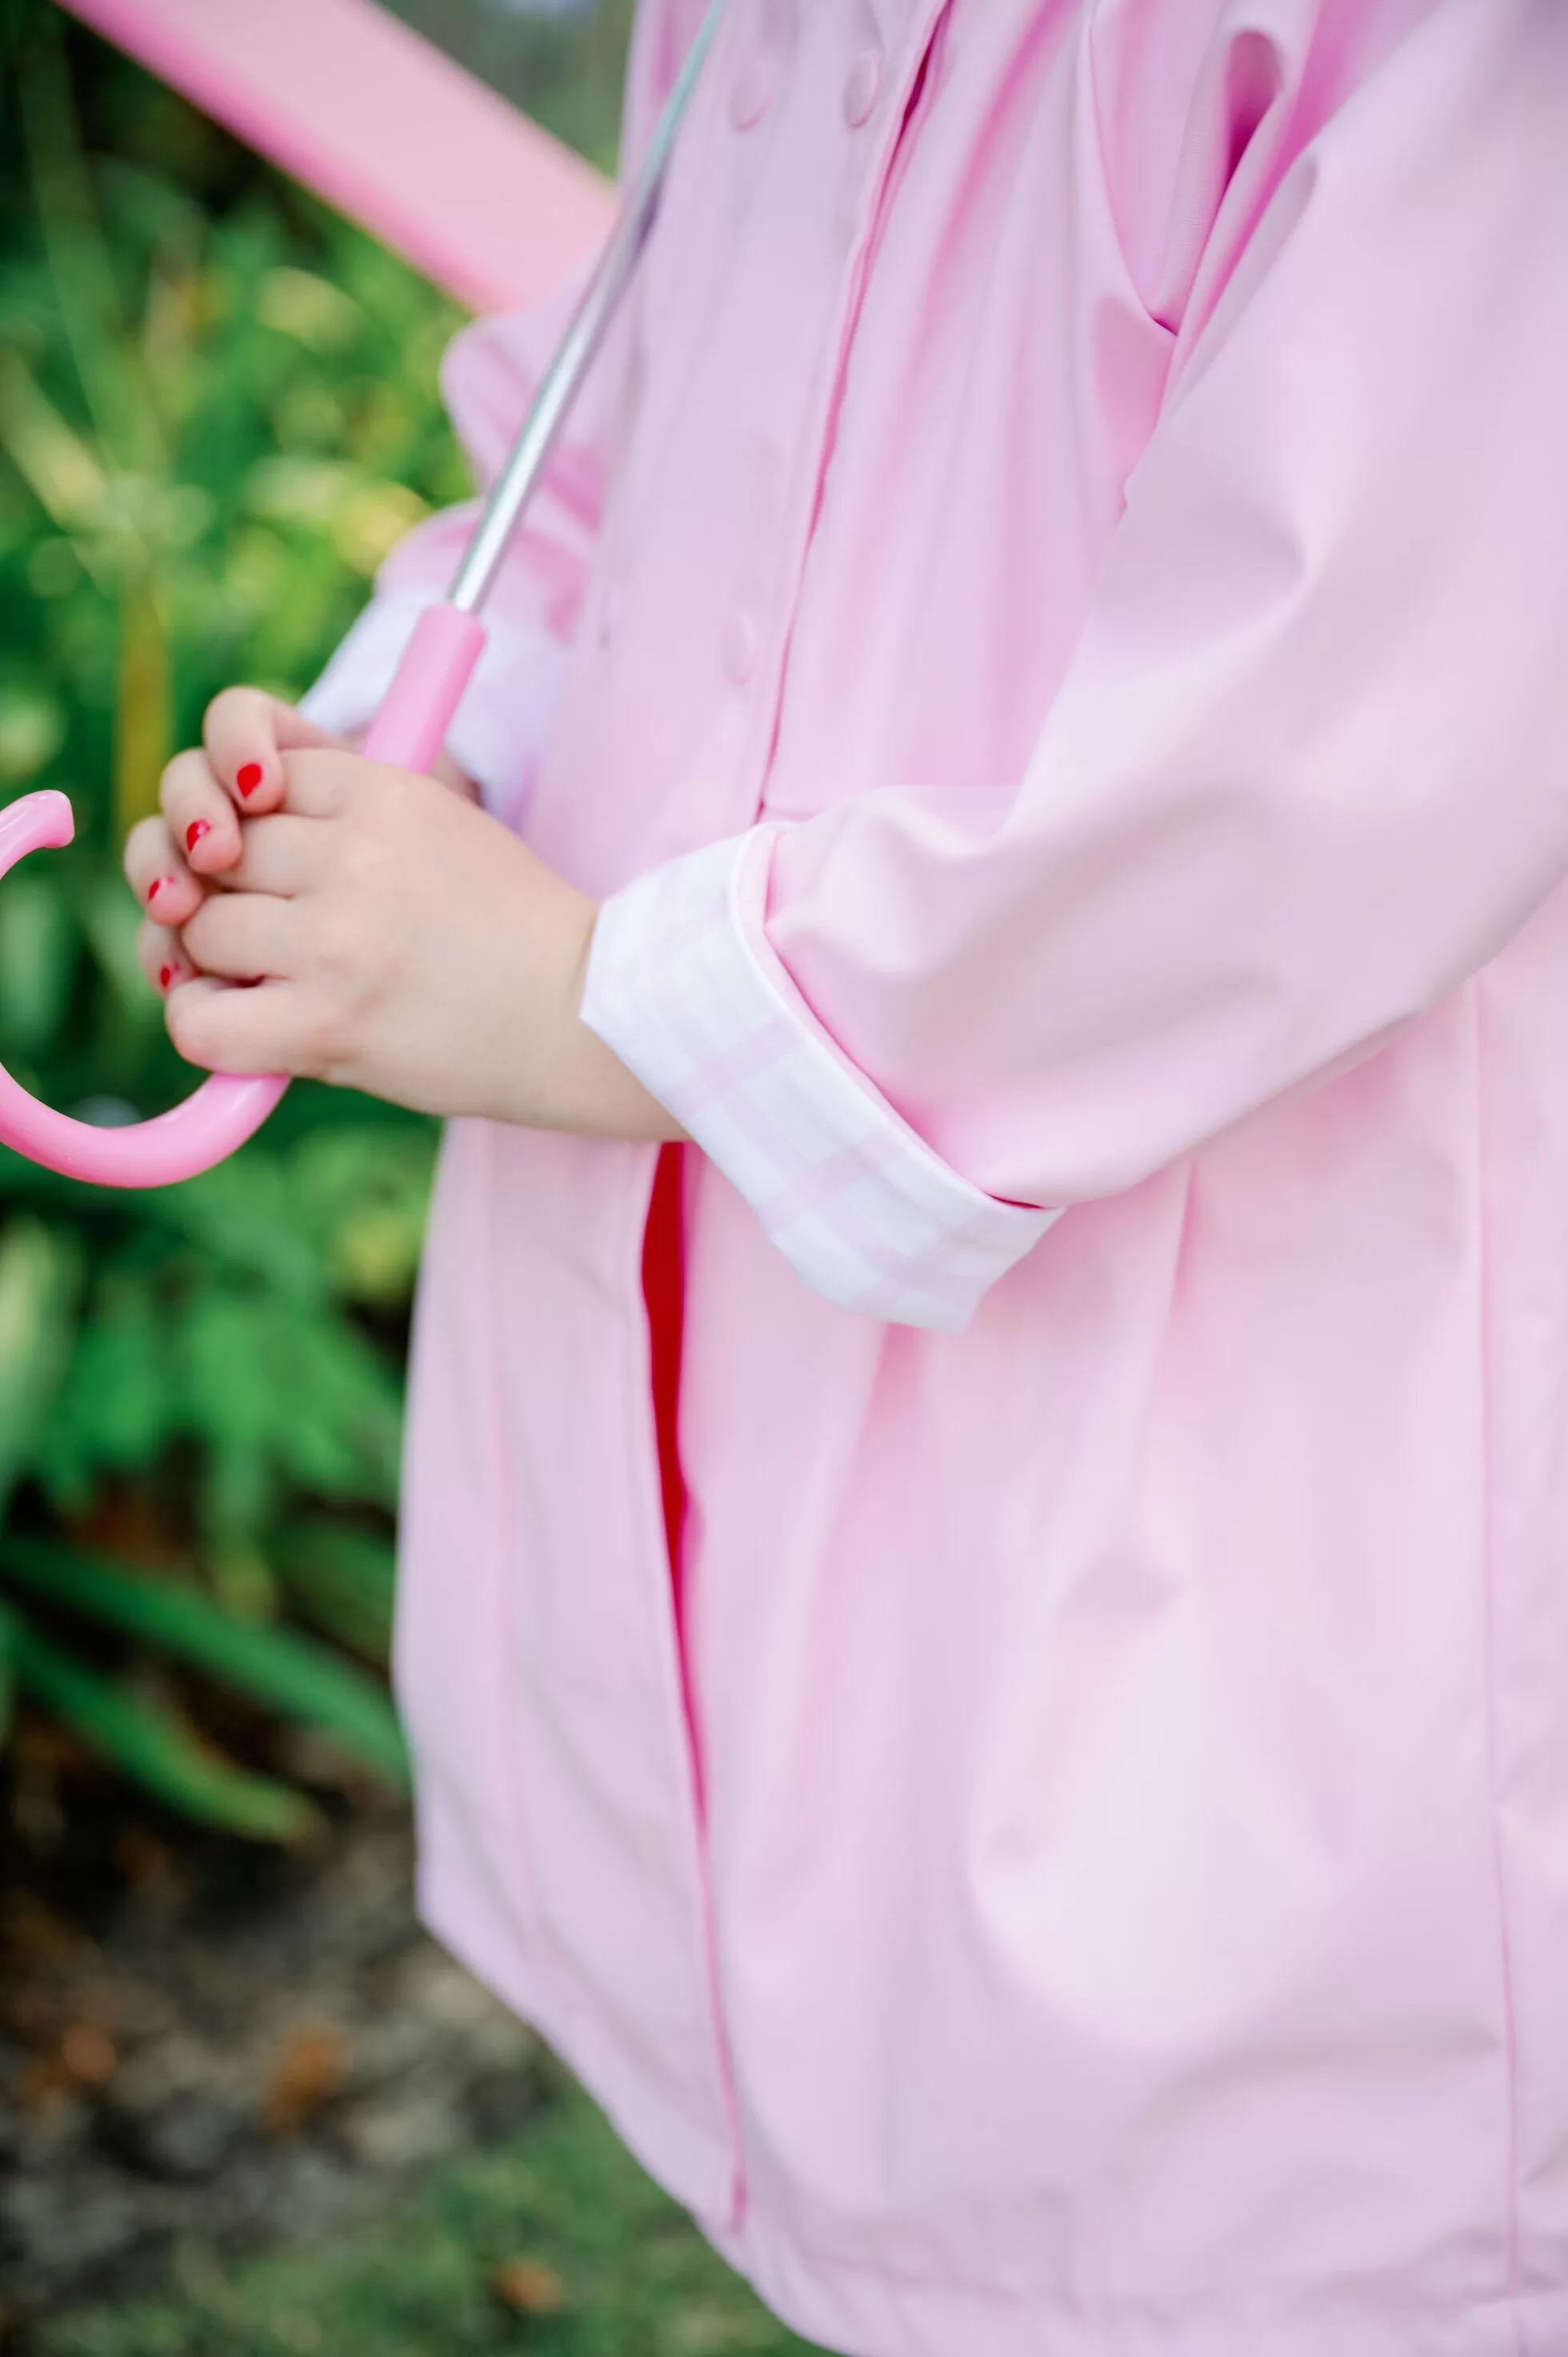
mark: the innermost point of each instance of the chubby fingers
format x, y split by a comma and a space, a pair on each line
171, 867
246, 734
223, 1030
202, 822
239, 768
188, 926
242, 936
158, 875
163, 959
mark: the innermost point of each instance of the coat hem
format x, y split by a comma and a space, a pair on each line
867, 2310
695, 2168
871, 2312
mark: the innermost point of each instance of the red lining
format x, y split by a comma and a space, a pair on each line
662, 1288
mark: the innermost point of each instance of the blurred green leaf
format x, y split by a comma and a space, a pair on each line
270, 1665
342, 1578
32, 730
217, 410
56, 465
142, 743
7, 1674
39, 948
118, 1407
245, 1214
366, 1195
38, 1278
78, 257
303, 304
111, 922
153, 1748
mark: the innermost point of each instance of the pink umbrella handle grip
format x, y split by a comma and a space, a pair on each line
417, 708
210, 1125
225, 1111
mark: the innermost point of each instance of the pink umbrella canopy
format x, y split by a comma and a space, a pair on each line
386, 127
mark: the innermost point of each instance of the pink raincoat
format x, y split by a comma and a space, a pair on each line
1050, 641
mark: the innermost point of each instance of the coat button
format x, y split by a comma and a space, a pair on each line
753, 93
740, 648
864, 81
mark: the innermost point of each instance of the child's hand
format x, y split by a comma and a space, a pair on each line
237, 768
400, 941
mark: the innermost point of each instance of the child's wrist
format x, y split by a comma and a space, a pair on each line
613, 1101
580, 1086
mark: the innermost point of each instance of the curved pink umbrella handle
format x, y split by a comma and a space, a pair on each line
224, 1111
218, 1117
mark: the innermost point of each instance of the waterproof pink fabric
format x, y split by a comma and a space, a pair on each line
1094, 477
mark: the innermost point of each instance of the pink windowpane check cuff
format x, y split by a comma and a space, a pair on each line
682, 984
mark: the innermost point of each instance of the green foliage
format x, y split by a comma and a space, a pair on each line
636, 2278
218, 410
272, 1665
149, 1743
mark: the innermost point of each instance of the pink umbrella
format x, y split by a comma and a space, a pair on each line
376, 120
420, 152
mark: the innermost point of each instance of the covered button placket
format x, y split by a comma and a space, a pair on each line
778, 457
753, 88
754, 85
787, 446
861, 86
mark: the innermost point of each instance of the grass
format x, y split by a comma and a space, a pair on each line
559, 2214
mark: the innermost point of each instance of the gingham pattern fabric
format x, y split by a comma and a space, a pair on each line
682, 984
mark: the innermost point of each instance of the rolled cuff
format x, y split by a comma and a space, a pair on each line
506, 714
685, 988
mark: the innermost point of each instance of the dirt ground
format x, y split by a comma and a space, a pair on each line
206, 2045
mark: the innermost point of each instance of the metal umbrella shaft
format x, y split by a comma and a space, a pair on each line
514, 486
418, 708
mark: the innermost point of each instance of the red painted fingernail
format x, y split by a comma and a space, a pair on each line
249, 777
156, 887
195, 831
165, 976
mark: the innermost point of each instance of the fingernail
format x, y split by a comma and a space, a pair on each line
195, 831
249, 777
165, 976
156, 887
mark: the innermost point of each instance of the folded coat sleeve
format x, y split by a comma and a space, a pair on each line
1307, 771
